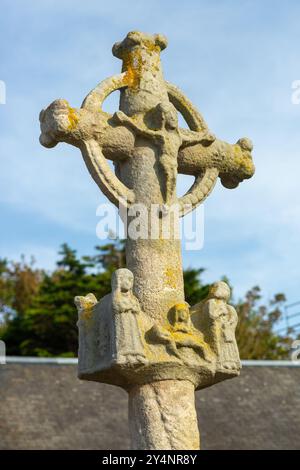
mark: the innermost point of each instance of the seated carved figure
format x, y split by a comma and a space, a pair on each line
127, 344
180, 333
180, 317
222, 320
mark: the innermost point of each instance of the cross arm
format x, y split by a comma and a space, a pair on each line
97, 136
234, 162
61, 123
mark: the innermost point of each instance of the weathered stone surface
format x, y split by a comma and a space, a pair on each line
162, 415
144, 332
119, 344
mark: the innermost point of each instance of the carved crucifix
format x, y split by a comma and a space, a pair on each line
143, 336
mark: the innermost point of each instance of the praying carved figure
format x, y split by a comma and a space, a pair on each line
127, 339
223, 320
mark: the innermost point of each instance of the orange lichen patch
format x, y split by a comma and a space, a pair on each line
73, 118
133, 63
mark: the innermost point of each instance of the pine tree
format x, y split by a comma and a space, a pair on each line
38, 316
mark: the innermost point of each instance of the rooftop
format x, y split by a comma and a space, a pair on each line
44, 406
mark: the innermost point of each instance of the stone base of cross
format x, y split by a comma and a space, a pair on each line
120, 345
143, 336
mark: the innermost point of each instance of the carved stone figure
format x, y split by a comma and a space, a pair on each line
180, 317
88, 327
180, 334
127, 340
223, 320
85, 304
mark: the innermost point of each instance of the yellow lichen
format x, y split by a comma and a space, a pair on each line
87, 313
242, 161
171, 276
180, 306
133, 63
73, 118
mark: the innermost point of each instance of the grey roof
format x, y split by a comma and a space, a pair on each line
45, 406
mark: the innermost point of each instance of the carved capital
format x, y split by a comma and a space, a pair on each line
119, 344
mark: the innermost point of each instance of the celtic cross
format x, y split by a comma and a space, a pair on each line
143, 336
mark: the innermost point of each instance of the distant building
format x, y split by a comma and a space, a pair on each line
44, 406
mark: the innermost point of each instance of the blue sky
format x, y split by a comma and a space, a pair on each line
235, 60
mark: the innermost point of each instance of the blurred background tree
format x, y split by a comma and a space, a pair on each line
38, 316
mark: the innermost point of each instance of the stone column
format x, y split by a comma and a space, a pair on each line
162, 415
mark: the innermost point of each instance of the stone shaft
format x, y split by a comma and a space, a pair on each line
162, 416
154, 253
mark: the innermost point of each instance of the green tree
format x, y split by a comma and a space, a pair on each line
39, 316
255, 332
19, 284
194, 290
48, 325
108, 257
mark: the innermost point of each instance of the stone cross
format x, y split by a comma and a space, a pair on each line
143, 336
